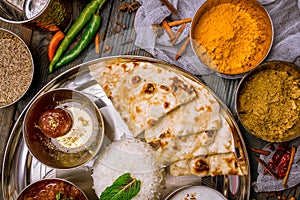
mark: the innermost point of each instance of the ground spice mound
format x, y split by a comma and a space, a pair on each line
233, 37
16, 69
268, 102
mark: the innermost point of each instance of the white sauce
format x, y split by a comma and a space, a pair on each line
197, 193
81, 131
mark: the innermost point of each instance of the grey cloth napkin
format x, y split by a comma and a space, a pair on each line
284, 14
266, 183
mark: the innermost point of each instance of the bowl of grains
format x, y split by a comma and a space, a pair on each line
16, 66
268, 101
231, 37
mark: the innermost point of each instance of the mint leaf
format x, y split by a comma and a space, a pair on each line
123, 188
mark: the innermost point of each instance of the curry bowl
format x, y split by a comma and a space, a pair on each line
231, 37
54, 188
63, 128
16, 66
268, 101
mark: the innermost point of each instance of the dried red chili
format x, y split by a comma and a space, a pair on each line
280, 159
277, 155
283, 164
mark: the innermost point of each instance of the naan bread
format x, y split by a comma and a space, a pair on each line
212, 165
201, 114
201, 144
142, 92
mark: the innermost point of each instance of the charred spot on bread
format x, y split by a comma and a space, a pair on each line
200, 166
149, 88
166, 88
136, 79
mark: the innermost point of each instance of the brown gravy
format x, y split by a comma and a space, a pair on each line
50, 190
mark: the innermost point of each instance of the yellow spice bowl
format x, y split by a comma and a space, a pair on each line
267, 101
231, 37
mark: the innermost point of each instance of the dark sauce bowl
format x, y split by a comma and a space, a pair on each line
53, 188
79, 145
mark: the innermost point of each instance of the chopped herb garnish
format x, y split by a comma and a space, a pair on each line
57, 196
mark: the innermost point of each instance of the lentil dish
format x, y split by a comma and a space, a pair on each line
16, 68
232, 37
52, 189
268, 101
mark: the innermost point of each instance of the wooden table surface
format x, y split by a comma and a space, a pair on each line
38, 43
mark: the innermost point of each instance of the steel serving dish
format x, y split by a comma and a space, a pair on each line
20, 168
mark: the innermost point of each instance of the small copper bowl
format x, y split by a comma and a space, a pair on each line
53, 187
83, 140
235, 44
267, 101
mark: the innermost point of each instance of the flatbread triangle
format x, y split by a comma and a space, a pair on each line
142, 92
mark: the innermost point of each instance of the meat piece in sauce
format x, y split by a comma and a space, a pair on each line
55, 122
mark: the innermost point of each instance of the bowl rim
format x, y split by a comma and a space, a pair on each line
31, 185
176, 191
32, 65
196, 18
97, 113
20, 22
240, 85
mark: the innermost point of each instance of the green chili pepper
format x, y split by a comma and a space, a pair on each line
86, 38
76, 27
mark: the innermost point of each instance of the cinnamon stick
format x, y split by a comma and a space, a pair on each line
168, 29
179, 22
178, 33
169, 6
260, 151
270, 171
293, 152
182, 49
97, 49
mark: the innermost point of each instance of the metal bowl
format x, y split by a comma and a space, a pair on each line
235, 61
43, 15
55, 186
267, 101
195, 192
79, 145
16, 66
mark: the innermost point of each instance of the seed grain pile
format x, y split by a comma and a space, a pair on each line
269, 103
16, 69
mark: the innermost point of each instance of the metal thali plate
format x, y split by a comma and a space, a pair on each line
20, 168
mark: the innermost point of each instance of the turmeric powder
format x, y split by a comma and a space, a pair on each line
234, 36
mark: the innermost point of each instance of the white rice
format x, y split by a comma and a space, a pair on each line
133, 156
